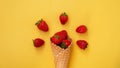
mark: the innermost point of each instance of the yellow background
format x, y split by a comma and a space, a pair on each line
17, 29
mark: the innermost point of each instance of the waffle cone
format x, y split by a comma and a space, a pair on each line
61, 56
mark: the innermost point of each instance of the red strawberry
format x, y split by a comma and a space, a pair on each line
42, 25
63, 18
59, 37
82, 44
65, 43
81, 29
38, 42
62, 45
56, 39
62, 34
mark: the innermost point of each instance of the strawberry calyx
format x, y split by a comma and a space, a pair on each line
38, 22
33, 40
57, 36
64, 14
63, 45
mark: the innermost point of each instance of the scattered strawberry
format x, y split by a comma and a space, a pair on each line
42, 25
38, 42
81, 29
82, 44
63, 18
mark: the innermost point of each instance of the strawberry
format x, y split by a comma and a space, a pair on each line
56, 39
82, 44
38, 42
63, 18
59, 37
42, 25
62, 45
65, 43
62, 34
81, 29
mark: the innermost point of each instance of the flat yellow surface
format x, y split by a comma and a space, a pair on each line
17, 29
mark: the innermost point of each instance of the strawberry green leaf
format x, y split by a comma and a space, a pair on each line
64, 14
38, 22
63, 45
56, 36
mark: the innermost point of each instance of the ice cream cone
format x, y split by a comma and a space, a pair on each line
61, 56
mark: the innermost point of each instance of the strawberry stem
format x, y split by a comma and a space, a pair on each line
64, 14
56, 36
41, 20
33, 41
63, 45
38, 22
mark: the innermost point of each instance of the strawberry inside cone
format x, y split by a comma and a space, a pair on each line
61, 39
